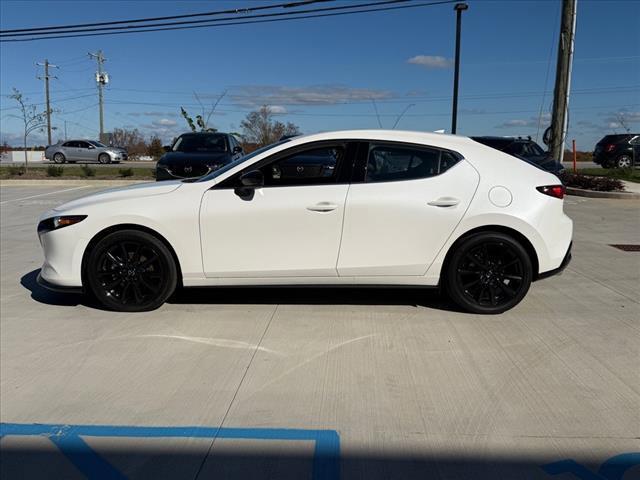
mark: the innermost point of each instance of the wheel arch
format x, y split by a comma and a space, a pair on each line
522, 239
128, 226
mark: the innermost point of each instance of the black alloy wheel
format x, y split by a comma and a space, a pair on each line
131, 271
488, 273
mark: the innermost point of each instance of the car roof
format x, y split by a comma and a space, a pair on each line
437, 139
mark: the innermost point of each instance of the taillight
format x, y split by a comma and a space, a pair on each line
610, 148
556, 191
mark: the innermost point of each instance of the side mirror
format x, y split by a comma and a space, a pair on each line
166, 148
91, 147
252, 179
237, 149
249, 182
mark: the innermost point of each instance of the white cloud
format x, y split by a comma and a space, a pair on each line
431, 61
277, 109
164, 122
518, 123
253, 96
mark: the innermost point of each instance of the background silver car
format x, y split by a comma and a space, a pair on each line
84, 151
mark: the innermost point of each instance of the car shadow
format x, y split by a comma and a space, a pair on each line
31, 460
42, 295
315, 295
271, 295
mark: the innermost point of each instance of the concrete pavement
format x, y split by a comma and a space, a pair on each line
410, 387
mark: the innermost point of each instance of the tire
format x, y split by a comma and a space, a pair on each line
131, 271
104, 158
59, 158
624, 161
488, 273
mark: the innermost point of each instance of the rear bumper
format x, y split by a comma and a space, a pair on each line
563, 265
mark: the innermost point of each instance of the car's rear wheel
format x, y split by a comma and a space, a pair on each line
131, 271
58, 158
488, 273
104, 158
624, 161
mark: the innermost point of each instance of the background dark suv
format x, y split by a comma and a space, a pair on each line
524, 149
617, 151
196, 154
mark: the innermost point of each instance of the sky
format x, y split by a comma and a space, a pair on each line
352, 71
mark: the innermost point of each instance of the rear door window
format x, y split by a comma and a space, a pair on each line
390, 163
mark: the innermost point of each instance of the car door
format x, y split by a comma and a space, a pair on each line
291, 227
86, 153
404, 203
70, 150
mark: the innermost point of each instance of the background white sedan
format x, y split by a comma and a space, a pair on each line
369, 207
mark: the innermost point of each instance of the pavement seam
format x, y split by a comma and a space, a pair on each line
603, 285
235, 394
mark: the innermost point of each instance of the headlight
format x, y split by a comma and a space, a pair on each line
55, 223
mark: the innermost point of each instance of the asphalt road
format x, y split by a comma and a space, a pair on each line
323, 383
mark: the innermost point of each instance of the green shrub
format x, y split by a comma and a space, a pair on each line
53, 171
588, 182
125, 172
87, 171
16, 170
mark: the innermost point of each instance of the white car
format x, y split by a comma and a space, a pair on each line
368, 207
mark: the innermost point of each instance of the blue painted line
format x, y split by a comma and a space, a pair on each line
612, 469
326, 459
91, 464
615, 467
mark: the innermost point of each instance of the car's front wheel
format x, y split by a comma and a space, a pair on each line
104, 158
488, 273
59, 158
131, 271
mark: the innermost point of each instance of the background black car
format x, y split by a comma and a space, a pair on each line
524, 149
196, 154
617, 151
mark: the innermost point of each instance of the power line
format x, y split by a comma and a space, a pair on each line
248, 22
210, 21
172, 17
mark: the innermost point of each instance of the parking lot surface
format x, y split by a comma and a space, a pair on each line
324, 383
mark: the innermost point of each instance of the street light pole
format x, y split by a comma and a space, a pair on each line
459, 8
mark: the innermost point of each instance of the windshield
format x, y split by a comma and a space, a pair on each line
240, 160
96, 144
199, 142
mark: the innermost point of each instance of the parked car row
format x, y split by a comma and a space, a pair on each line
195, 154
72, 151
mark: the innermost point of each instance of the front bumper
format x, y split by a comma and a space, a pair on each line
557, 271
57, 288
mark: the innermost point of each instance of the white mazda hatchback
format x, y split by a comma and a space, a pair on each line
369, 207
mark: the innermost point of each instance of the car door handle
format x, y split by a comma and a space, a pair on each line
322, 207
444, 202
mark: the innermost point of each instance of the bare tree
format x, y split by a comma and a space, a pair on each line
132, 140
202, 121
261, 128
31, 120
622, 121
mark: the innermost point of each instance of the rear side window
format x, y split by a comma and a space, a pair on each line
70, 144
390, 163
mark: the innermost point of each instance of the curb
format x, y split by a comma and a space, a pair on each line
69, 183
579, 192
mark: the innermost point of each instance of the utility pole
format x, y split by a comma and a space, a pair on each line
559, 119
459, 8
102, 78
46, 77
